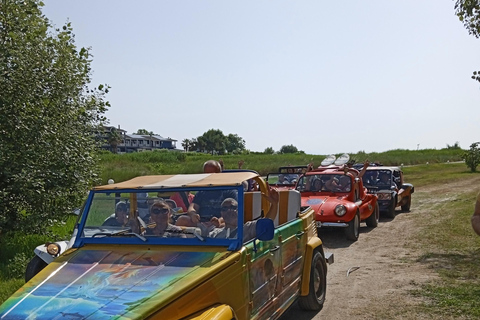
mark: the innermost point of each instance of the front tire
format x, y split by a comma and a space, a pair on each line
353, 230
372, 221
33, 267
406, 206
317, 286
391, 211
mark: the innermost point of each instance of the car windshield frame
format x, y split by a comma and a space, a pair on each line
103, 238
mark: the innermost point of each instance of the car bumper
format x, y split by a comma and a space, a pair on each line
331, 224
384, 205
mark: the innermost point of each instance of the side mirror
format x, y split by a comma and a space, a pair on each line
265, 229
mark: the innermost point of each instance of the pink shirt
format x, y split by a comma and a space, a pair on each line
179, 200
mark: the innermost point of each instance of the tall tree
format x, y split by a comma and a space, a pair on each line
186, 144
269, 150
288, 149
468, 11
47, 154
144, 132
213, 141
114, 139
234, 143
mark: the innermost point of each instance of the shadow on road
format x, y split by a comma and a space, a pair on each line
335, 237
295, 313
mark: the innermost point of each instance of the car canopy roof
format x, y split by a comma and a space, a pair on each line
181, 181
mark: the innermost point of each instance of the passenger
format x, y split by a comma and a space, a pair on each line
205, 206
310, 167
183, 199
291, 175
121, 216
281, 179
344, 183
332, 183
160, 214
385, 180
372, 178
316, 185
230, 216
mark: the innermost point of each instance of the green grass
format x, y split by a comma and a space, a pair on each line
121, 167
449, 245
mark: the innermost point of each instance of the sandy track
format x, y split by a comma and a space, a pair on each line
383, 265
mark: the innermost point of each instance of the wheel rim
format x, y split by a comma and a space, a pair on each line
318, 284
357, 226
316, 279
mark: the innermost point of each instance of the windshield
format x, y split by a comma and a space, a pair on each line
325, 183
282, 178
212, 214
377, 178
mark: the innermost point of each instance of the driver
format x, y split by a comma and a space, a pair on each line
120, 217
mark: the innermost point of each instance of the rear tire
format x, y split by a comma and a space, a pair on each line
406, 206
33, 267
317, 286
353, 230
372, 221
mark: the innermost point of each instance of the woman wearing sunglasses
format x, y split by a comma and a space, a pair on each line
160, 214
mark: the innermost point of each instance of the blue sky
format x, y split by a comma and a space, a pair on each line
327, 77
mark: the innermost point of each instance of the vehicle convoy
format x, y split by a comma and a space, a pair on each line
131, 269
339, 199
388, 184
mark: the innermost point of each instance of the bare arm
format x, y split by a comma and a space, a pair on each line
364, 169
272, 197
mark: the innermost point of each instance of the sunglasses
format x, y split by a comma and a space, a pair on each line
229, 208
158, 211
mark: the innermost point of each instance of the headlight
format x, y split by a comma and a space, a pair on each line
53, 249
340, 210
384, 196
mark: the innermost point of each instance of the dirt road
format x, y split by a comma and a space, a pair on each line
370, 278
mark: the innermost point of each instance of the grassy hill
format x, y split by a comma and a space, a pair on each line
121, 167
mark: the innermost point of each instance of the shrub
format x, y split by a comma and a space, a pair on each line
472, 157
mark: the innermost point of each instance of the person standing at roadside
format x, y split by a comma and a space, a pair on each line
476, 216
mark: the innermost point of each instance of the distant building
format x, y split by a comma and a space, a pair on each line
126, 143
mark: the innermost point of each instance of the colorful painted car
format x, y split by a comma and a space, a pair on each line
129, 269
338, 197
388, 184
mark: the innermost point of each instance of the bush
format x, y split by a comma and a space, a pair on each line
472, 157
